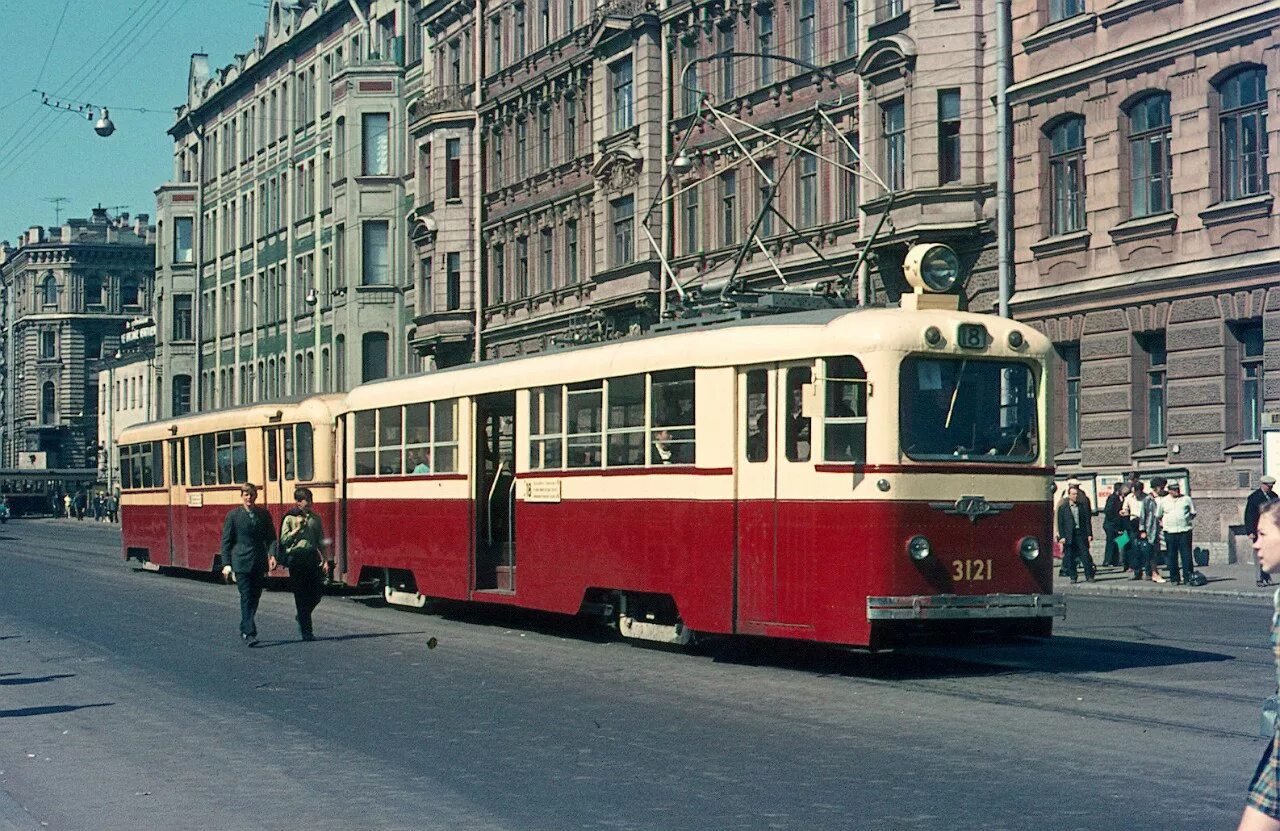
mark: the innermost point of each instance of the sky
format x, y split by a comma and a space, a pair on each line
121, 54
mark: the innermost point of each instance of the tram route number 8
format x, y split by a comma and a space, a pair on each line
971, 570
971, 336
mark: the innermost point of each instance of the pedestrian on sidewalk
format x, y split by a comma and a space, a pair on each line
1262, 808
1075, 533
1112, 524
66, 501
246, 534
1177, 518
1264, 495
1142, 518
301, 538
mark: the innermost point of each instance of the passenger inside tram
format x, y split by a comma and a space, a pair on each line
423, 460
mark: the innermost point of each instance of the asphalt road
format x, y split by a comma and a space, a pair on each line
127, 701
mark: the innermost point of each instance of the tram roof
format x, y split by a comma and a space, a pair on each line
290, 409
744, 342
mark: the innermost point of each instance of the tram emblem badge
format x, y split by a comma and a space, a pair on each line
972, 507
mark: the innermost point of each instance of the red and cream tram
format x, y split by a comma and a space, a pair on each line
837, 476
180, 477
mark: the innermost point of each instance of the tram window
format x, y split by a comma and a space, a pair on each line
390, 441
209, 468
196, 477
306, 452
671, 418
173, 462
444, 444
757, 414
273, 454
970, 410
845, 413
222, 457
126, 471
799, 425
583, 411
239, 458
366, 440
144, 459
417, 438
546, 428
157, 464
289, 466
625, 428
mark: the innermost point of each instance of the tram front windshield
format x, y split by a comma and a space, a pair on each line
972, 410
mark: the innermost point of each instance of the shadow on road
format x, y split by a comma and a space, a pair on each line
14, 682
53, 709
363, 636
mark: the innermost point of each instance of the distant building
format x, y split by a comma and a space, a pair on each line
127, 385
1147, 239
68, 293
282, 235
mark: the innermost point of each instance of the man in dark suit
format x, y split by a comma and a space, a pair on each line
1265, 494
246, 535
1075, 532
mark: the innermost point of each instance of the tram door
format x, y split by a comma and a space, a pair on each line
273, 486
495, 496
774, 419
177, 479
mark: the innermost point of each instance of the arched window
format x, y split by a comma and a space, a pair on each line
1242, 132
49, 290
1066, 176
1150, 160
48, 403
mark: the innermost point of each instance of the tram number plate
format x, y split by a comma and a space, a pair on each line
971, 336
971, 570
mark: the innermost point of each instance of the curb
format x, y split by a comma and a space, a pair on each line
1095, 590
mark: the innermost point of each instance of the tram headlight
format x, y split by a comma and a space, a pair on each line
1029, 548
918, 547
1016, 340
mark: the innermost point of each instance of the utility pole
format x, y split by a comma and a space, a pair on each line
57, 208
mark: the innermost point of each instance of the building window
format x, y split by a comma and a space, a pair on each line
375, 265
948, 136
452, 168
623, 214
768, 183
850, 27
48, 344
375, 135
570, 128
453, 281
893, 132
546, 273
181, 394
688, 73
1242, 128
850, 179
522, 149
49, 290
764, 45
1154, 350
130, 292
571, 252
182, 251
1062, 9
806, 45
522, 267
728, 207
544, 14
690, 219
728, 45
48, 403
1070, 355
807, 189
495, 43
93, 346
498, 267
517, 40
182, 317
621, 104
1066, 177
1150, 159
374, 356
1250, 337
544, 139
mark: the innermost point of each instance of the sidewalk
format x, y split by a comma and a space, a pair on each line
1237, 580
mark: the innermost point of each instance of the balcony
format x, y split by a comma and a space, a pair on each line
445, 99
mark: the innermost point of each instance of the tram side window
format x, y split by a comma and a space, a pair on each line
209, 464
757, 414
390, 441
845, 413
305, 448
126, 467
298, 464
444, 436
157, 464
366, 443
196, 475
546, 427
273, 456
799, 425
671, 421
583, 415
625, 429
231, 457
417, 439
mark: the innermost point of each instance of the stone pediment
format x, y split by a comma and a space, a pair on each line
896, 52
619, 168
617, 17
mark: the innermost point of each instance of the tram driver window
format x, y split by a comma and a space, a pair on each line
971, 410
671, 437
845, 413
757, 414
799, 425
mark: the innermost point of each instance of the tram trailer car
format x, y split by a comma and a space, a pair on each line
837, 476
180, 477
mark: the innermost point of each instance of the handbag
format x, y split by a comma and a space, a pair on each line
1122, 539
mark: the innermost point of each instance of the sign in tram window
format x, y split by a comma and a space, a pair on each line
625, 429
799, 425
756, 412
546, 428
671, 419
845, 414
584, 403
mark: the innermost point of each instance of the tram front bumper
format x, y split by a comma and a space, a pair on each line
965, 607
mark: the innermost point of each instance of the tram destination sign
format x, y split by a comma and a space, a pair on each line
972, 336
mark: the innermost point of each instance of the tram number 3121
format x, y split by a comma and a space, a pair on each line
971, 570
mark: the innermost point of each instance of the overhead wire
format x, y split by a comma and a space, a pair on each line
53, 40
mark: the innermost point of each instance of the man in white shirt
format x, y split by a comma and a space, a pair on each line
1177, 517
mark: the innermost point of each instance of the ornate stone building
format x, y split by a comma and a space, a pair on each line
1147, 241
69, 293
282, 235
